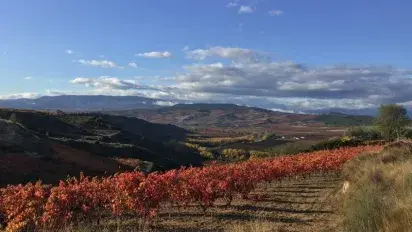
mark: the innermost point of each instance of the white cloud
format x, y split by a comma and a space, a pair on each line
233, 53
68, 51
98, 63
28, 78
245, 10
287, 111
186, 48
165, 103
301, 86
19, 96
275, 12
132, 65
164, 54
280, 85
232, 4
110, 83
154, 78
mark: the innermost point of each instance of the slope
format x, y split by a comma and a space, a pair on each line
51, 146
235, 116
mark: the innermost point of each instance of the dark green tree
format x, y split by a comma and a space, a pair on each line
392, 121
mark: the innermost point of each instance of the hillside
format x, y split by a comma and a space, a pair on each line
50, 146
242, 118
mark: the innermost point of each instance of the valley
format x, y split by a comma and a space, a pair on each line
150, 170
50, 145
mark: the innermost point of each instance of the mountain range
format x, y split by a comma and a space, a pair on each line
75, 103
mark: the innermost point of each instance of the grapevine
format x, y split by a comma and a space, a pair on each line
30, 206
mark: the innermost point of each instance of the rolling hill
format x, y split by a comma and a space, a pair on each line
235, 116
50, 146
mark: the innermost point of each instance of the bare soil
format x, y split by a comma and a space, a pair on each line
294, 205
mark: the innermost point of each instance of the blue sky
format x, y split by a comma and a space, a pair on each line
288, 54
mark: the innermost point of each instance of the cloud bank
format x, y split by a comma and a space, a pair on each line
250, 77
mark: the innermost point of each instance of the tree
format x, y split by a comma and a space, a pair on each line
392, 121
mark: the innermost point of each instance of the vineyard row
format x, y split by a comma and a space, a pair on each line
31, 206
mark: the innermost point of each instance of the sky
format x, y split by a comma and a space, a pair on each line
290, 55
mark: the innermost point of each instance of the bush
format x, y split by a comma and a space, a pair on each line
269, 136
231, 154
260, 154
336, 143
291, 148
220, 141
364, 132
203, 151
408, 134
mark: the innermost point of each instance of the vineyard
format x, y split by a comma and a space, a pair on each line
34, 206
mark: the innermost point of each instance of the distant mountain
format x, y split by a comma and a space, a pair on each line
209, 106
235, 116
82, 103
366, 111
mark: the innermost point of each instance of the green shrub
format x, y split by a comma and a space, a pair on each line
269, 136
364, 132
335, 144
408, 133
231, 154
203, 151
260, 154
291, 148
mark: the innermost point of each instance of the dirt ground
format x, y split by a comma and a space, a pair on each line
294, 205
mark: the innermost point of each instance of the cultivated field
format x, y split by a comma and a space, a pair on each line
284, 193
297, 204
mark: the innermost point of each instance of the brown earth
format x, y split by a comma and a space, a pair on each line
295, 205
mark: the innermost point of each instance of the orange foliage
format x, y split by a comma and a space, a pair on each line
36, 205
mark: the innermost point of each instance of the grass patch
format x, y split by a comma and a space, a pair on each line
291, 148
380, 194
254, 226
